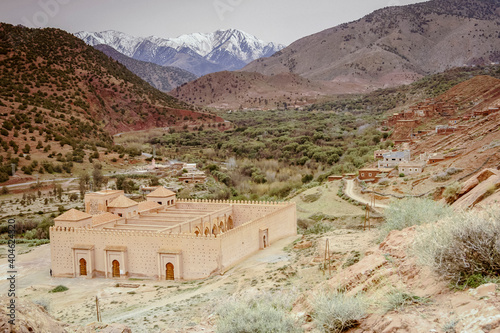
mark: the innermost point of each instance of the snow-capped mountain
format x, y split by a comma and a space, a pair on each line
198, 53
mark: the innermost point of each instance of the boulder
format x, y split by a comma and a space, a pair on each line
477, 194
484, 290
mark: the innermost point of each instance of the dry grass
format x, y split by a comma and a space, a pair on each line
462, 246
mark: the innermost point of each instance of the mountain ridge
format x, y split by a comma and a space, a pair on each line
197, 53
163, 78
394, 45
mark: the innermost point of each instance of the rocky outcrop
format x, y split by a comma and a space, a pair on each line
478, 188
30, 317
389, 267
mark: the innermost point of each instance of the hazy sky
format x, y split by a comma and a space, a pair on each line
282, 21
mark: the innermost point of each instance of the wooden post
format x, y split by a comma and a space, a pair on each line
366, 216
97, 309
327, 258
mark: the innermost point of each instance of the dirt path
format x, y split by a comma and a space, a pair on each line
349, 191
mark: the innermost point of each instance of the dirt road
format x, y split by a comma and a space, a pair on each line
349, 191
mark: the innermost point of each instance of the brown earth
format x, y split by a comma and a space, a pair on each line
240, 90
388, 268
394, 45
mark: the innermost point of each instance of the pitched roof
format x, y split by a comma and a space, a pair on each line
161, 192
73, 215
122, 202
145, 205
103, 218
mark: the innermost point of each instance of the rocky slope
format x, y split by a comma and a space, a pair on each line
239, 90
163, 78
395, 45
57, 92
52, 82
31, 317
197, 53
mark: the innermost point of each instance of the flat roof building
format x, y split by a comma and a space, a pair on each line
163, 238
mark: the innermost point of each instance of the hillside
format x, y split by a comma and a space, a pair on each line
395, 45
234, 90
54, 89
163, 78
198, 53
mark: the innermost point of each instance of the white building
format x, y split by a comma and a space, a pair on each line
393, 159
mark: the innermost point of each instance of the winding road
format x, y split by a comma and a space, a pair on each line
349, 191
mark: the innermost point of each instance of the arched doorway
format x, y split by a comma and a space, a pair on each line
207, 231
83, 267
214, 230
116, 268
221, 227
230, 224
169, 274
197, 232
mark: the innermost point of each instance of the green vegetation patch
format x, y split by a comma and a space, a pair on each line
58, 289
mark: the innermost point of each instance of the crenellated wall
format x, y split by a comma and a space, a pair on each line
145, 252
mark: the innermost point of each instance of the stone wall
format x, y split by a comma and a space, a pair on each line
199, 254
144, 252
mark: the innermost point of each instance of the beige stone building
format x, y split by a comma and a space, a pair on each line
411, 168
162, 237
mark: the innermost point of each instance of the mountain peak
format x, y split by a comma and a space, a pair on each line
199, 53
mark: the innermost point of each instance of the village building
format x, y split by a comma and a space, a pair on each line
372, 173
334, 177
435, 158
190, 167
145, 190
378, 154
444, 129
411, 168
163, 238
368, 173
193, 178
392, 159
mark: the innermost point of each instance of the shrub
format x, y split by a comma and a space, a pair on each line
337, 312
491, 189
440, 177
318, 228
445, 175
58, 289
462, 248
307, 178
259, 314
353, 258
401, 175
311, 197
412, 211
397, 299
384, 181
451, 191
